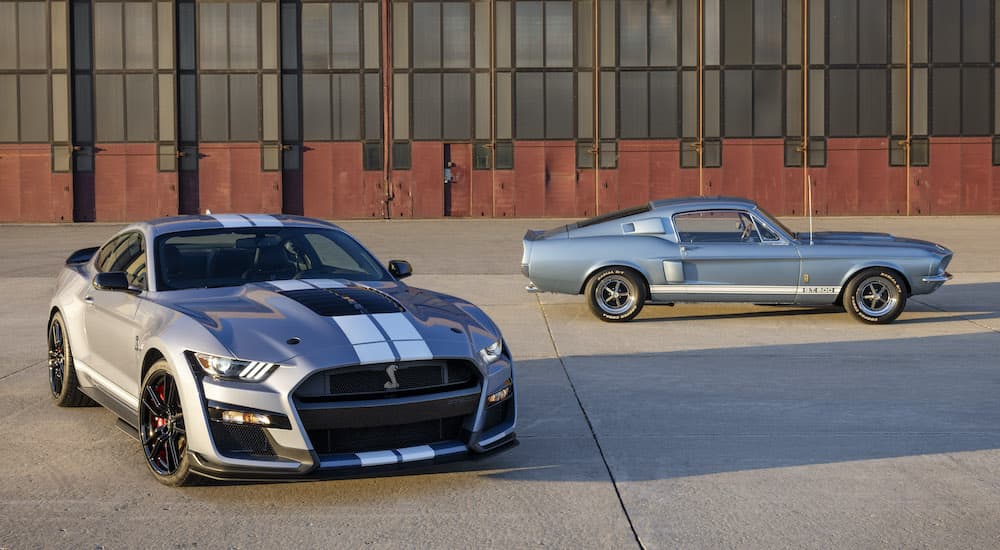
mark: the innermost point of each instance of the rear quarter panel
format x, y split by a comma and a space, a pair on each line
563, 265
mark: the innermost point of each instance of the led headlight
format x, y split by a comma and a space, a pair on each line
233, 369
491, 352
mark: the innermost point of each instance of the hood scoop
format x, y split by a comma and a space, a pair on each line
337, 302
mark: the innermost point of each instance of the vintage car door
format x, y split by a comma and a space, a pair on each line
110, 316
730, 256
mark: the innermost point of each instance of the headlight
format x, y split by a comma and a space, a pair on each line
491, 352
233, 369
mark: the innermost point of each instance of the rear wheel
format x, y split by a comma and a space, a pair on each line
62, 376
875, 296
616, 294
161, 428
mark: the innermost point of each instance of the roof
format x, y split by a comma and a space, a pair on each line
175, 224
704, 202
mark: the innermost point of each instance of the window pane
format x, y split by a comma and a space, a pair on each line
427, 38
738, 38
482, 34
873, 31
187, 108
166, 111
663, 104
503, 106
919, 102
373, 106
110, 109
793, 103
400, 34
712, 104
212, 38
663, 33
165, 34
897, 25
712, 23
872, 101
633, 104
767, 103
33, 38
530, 118
919, 31
946, 32
482, 106
345, 93
456, 29
817, 95
458, 106
898, 91
426, 106
401, 106
976, 101
607, 36
213, 107
793, 37
585, 105
316, 106
738, 109
8, 107
269, 43
584, 33
315, 36
108, 35
976, 31
607, 122
139, 108
689, 104
8, 36
843, 102
270, 107
946, 108
243, 108
138, 35
843, 31
290, 124
242, 36
185, 33
558, 34
632, 33
767, 34
345, 36
559, 112
60, 108
371, 36
502, 33
60, 33
528, 30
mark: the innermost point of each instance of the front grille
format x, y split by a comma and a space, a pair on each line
388, 380
359, 440
238, 439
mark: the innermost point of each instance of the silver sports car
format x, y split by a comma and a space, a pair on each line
727, 250
253, 346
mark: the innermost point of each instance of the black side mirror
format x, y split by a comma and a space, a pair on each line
400, 269
112, 280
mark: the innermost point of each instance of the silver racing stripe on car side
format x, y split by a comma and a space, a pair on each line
742, 289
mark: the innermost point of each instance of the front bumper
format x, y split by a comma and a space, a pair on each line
940, 278
417, 430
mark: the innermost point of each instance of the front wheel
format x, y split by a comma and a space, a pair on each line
161, 427
875, 296
615, 294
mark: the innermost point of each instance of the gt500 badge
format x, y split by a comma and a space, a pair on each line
819, 290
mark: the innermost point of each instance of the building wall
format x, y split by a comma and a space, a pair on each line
115, 110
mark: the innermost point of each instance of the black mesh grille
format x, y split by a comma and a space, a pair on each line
359, 440
496, 414
376, 381
238, 439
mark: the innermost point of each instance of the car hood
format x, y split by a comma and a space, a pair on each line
856, 238
335, 322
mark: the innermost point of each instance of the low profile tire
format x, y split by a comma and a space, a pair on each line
615, 294
875, 296
161, 428
63, 385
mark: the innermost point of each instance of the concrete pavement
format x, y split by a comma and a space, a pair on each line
693, 426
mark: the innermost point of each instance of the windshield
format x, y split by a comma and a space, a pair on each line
233, 257
775, 222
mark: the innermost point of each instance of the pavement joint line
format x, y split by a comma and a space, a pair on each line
590, 426
22, 369
960, 316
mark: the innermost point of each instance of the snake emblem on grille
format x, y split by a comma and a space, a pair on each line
392, 384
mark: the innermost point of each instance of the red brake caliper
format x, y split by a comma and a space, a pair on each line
159, 421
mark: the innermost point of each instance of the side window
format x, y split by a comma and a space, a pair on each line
715, 226
107, 254
766, 233
127, 254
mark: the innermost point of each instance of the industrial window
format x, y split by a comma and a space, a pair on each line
919, 149
504, 155
401, 155
237, 71
372, 156
793, 153
441, 70
647, 99
482, 156
341, 86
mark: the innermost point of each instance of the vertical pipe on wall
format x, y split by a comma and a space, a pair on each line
805, 107
701, 98
906, 144
595, 149
493, 113
386, 107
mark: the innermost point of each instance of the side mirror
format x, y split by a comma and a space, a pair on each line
400, 269
112, 280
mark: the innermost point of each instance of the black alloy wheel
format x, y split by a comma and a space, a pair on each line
161, 427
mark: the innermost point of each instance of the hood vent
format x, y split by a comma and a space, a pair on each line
336, 302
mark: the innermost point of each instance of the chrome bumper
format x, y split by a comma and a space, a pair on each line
941, 278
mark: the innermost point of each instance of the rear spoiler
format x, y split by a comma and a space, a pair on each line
538, 234
81, 256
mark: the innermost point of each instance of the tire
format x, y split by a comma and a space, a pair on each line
615, 294
161, 428
875, 296
63, 385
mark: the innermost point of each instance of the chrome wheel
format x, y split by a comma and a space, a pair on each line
161, 424
615, 295
57, 358
876, 296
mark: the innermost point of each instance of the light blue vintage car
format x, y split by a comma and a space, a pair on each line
719, 249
